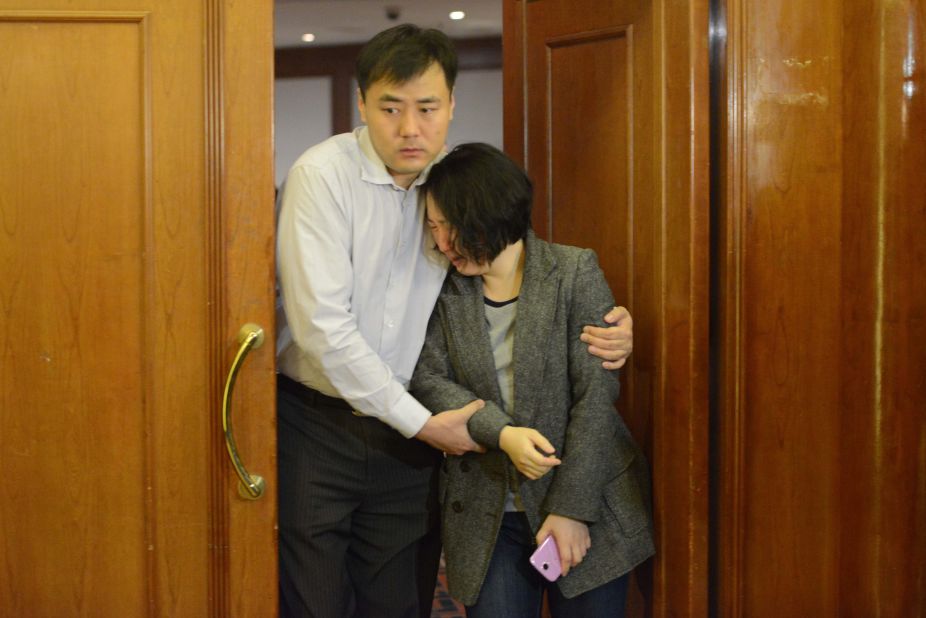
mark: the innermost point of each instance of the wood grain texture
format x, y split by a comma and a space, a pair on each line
882, 477
821, 415
178, 284
247, 248
612, 127
115, 307
72, 307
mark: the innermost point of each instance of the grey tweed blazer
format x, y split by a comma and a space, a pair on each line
560, 390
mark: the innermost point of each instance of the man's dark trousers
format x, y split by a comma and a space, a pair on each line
356, 499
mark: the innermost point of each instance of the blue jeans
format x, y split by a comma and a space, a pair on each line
513, 589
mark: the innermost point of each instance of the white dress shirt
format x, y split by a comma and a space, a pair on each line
358, 276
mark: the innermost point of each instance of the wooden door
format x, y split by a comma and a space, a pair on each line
135, 239
606, 104
822, 294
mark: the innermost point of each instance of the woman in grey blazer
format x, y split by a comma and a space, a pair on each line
559, 460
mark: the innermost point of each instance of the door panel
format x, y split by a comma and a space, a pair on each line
578, 164
606, 104
72, 292
822, 433
127, 267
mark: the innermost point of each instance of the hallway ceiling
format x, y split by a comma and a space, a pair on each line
338, 22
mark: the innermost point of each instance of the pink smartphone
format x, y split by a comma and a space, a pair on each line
546, 559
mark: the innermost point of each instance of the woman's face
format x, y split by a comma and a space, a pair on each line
445, 238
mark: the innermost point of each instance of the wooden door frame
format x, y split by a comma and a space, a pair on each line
239, 201
679, 452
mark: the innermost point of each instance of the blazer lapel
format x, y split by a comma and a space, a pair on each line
537, 304
465, 313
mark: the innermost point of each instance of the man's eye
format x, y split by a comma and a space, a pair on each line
390, 110
428, 110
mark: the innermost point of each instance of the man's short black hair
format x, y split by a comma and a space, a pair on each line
485, 198
402, 53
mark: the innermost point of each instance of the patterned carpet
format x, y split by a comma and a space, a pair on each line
444, 606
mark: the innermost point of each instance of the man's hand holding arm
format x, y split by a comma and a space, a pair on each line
447, 431
613, 344
434, 386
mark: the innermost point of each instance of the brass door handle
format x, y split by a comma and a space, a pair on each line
250, 486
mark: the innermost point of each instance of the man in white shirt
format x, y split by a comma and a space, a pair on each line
359, 278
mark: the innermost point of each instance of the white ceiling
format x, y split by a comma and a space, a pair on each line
337, 22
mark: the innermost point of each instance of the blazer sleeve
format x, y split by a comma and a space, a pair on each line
435, 384
588, 459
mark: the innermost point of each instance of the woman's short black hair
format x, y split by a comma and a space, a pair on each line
484, 196
404, 52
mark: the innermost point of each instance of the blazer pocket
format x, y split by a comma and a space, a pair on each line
625, 502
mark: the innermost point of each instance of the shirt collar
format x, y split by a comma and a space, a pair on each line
374, 170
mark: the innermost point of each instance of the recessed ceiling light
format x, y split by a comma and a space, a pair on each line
308, 37
457, 15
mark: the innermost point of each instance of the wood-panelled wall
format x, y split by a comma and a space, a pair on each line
821, 415
814, 451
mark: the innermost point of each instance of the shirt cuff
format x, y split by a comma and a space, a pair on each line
407, 416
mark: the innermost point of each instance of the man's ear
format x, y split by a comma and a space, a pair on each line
361, 106
453, 103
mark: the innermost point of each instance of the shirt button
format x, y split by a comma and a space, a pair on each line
457, 506
390, 323
464, 466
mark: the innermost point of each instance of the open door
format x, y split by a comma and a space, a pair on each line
136, 227
606, 103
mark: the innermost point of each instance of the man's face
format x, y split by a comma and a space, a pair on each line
408, 122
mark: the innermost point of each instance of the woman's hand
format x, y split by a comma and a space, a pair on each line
571, 536
521, 444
